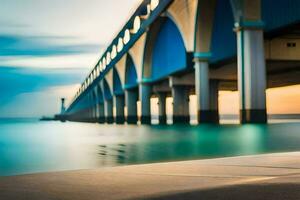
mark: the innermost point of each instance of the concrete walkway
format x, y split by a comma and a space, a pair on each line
272, 176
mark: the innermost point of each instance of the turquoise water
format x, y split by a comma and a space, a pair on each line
32, 146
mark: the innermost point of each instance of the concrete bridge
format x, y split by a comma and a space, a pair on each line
174, 48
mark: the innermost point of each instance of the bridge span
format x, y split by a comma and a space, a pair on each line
174, 48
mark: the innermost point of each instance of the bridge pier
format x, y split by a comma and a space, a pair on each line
119, 102
88, 115
145, 98
101, 116
108, 106
180, 87
95, 113
88, 111
93, 116
251, 74
131, 97
207, 99
180, 95
162, 115
214, 101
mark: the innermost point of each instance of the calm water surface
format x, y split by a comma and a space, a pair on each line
30, 146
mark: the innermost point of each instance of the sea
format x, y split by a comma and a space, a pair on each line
31, 146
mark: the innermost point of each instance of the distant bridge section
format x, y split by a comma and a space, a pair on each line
174, 48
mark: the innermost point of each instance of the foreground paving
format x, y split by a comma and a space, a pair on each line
272, 176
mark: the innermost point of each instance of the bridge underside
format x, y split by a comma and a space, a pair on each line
191, 48
279, 73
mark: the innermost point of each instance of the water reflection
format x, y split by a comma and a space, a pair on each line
49, 146
112, 154
166, 143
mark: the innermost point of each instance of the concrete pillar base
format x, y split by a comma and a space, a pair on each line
101, 113
120, 119
109, 120
119, 102
253, 116
181, 119
180, 105
132, 119
162, 120
101, 120
145, 98
131, 97
145, 119
208, 116
108, 107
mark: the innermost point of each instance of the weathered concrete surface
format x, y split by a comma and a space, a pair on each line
273, 176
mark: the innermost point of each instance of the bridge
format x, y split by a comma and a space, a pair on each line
175, 48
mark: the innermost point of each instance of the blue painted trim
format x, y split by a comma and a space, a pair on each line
250, 24
203, 55
119, 93
146, 80
127, 86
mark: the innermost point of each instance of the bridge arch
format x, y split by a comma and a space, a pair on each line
117, 85
223, 42
205, 14
107, 95
94, 97
100, 99
165, 51
131, 78
183, 13
120, 68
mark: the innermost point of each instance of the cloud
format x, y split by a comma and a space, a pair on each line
16, 80
12, 24
16, 45
52, 43
37, 103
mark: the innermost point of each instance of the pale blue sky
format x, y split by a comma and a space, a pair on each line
47, 47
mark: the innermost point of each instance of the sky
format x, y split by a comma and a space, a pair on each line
47, 47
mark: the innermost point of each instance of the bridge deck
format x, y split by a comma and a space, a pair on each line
273, 176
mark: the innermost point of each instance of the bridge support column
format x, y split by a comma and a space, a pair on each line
131, 97
101, 117
206, 112
95, 117
88, 110
94, 110
108, 106
214, 101
162, 115
96, 113
119, 102
89, 115
145, 98
251, 75
180, 104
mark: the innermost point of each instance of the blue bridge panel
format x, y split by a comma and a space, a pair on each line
117, 85
106, 91
100, 95
169, 53
278, 13
84, 103
130, 73
223, 37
